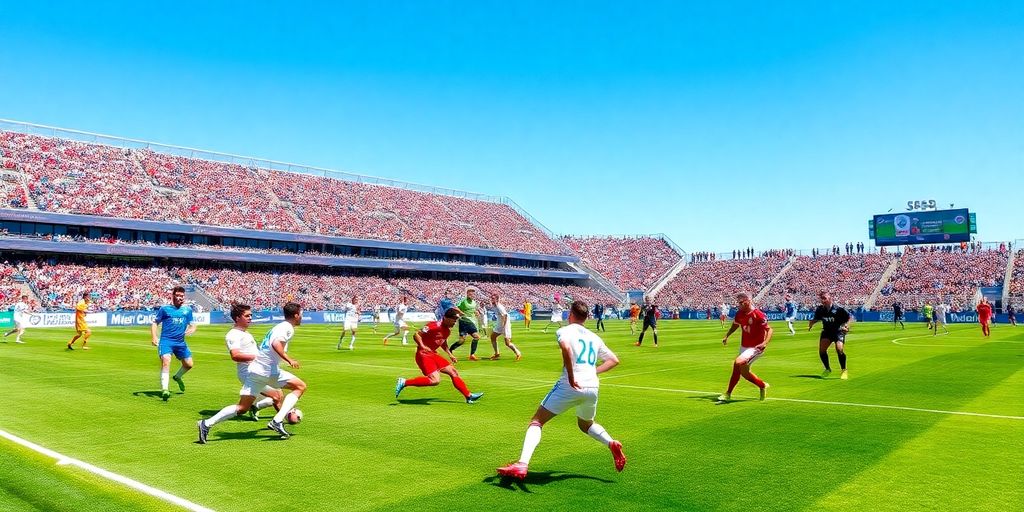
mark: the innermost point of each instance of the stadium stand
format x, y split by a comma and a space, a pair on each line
952, 275
119, 286
850, 278
631, 262
706, 284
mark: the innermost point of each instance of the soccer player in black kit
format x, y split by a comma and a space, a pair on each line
897, 315
599, 316
835, 322
650, 320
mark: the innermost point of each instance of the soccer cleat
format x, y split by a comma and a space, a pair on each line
165, 395
85, 347
519, 356
495, 357
473, 397
826, 373
70, 347
254, 414
399, 386
385, 342
724, 397
620, 458
279, 428
203, 431
844, 375
764, 391
515, 470
181, 383
19, 341
473, 357
637, 344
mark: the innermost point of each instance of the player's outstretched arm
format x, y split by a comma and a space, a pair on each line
732, 329
444, 345
278, 347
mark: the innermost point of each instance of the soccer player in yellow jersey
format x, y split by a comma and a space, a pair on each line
527, 313
81, 328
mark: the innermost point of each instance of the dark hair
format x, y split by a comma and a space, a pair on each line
580, 309
292, 309
177, 289
238, 310
453, 313
86, 295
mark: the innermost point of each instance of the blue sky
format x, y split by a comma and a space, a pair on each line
721, 124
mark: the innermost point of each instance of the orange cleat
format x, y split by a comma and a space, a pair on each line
495, 357
473, 358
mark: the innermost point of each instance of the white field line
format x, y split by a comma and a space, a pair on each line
897, 341
138, 486
825, 402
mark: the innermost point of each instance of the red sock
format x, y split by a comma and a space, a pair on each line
734, 379
461, 386
753, 378
418, 381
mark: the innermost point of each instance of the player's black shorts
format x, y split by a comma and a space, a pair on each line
898, 316
466, 328
834, 337
652, 323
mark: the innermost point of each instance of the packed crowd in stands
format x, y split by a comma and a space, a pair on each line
706, 285
950, 275
849, 278
632, 263
76, 177
1017, 282
120, 286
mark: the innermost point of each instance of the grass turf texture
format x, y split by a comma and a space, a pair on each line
360, 449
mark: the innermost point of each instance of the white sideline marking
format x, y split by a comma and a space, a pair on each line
824, 402
139, 486
983, 342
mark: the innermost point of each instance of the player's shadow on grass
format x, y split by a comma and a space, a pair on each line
538, 478
708, 398
152, 394
422, 401
807, 376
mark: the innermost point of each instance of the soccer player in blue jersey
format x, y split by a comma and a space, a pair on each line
175, 321
790, 314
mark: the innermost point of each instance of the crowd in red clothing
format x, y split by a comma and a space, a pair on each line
951, 276
632, 263
707, 284
851, 279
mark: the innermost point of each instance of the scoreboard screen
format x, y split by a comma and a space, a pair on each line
925, 227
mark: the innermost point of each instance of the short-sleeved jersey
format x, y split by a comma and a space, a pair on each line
527, 308
351, 312
941, 310
20, 311
897, 308
434, 334
268, 360
400, 312
651, 313
501, 311
831, 318
468, 308
242, 341
173, 323
984, 311
927, 310
80, 310
790, 308
444, 306
598, 310
586, 350
723, 309
753, 324
634, 311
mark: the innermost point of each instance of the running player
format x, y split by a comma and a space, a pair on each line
634, 315
265, 369
468, 323
753, 340
939, 317
20, 319
985, 315
599, 317
790, 314
527, 313
502, 327
81, 328
835, 323
926, 311
897, 314
242, 349
723, 313
432, 337
176, 322
578, 387
651, 314
400, 325
556, 316
351, 322
1011, 315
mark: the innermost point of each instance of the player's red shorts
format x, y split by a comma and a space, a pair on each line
430, 362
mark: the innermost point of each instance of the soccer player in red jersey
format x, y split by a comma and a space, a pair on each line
433, 336
756, 335
985, 315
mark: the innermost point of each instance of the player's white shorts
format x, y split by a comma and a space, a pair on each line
791, 318
504, 329
399, 325
562, 397
243, 374
556, 317
940, 319
750, 354
256, 383
351, 326
19, 325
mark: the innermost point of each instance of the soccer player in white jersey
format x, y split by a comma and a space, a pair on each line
265, 370
400, 325
481, 316
556, 316
21, 311
351, 323
502, 327
578, 387
243, 350
723, 313
940, 317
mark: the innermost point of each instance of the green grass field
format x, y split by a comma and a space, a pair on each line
814, 445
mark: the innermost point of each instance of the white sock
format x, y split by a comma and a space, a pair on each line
289, 402
791, 330
530, 443
352, 342
165, 378
263, 404
226, 413
405, 337
600, 434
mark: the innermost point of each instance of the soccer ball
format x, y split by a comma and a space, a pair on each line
294, 416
